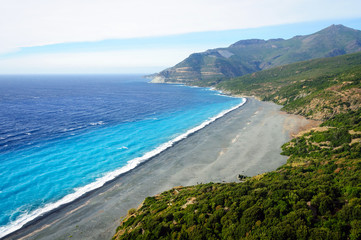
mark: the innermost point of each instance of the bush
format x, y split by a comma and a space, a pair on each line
132, 211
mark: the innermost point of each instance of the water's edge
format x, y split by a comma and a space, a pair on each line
101, 183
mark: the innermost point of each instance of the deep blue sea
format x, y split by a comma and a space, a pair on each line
64, 135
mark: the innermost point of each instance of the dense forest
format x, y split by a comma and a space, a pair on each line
315, 195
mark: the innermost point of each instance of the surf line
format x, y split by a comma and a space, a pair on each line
131, 164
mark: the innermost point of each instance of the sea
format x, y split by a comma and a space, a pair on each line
62, 136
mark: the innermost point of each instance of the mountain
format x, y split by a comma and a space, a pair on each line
248, 56
317, 89
315, 195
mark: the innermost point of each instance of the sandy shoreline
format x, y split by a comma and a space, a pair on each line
246, 141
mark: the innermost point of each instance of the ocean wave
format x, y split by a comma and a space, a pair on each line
97, 123
78, 192
219, 92
73, 128
124, 147
151, 118
224, 95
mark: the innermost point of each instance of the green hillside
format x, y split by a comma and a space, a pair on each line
248, 56
316, 195
317, 88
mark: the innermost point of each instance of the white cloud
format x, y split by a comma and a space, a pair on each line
25, 23
124, 61
40, 22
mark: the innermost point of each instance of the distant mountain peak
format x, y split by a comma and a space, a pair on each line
252, 55
337, 28
248, 42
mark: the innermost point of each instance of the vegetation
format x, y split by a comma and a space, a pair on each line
315, 195
317, 89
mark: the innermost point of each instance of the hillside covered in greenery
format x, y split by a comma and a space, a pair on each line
317, 89
252, 55
316, 195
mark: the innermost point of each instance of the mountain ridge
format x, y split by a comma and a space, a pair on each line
315, 195
253, 55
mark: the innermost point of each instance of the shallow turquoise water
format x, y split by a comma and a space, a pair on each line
62, 136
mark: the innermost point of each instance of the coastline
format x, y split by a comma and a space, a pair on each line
225, 148
84, 191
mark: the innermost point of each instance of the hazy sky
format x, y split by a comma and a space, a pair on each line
141, 36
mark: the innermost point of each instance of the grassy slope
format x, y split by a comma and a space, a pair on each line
316, 195
317, 88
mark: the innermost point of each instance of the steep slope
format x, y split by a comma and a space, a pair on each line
318, 89
248, 56
316, 195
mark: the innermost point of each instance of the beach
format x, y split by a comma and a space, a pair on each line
246, 141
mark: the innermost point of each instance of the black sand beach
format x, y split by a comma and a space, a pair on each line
246, 141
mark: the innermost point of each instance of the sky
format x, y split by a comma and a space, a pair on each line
143, 36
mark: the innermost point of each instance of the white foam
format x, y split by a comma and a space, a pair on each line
151, 118
78, 192
124, 147
97, 123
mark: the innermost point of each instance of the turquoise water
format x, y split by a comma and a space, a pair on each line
110, 126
